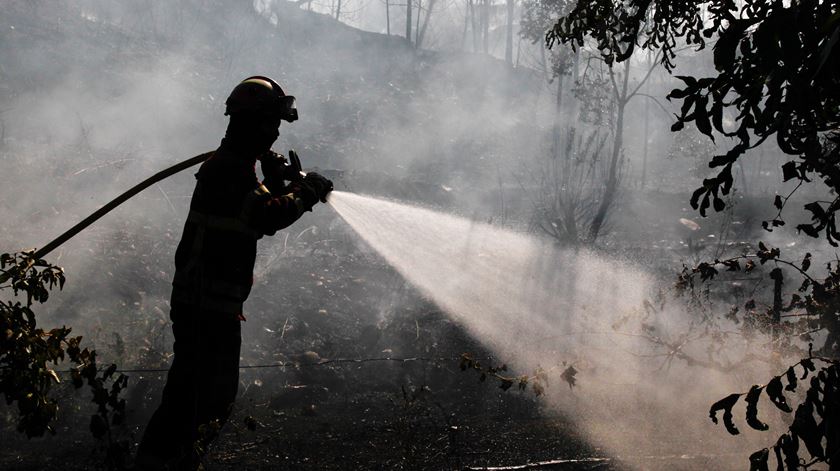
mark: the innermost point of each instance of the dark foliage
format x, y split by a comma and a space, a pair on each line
620, 27
815, 423
28, 356
778, 74
813, 307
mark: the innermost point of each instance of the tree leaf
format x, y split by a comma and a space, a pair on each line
569, 376
774, 392
725, 405
678, 93
752, 409
808, 230
695, 197
808, 364
701, 117
806, 262
677, 126
805, 426
789, 171
727, 44
789, 444
758, 460
719, 205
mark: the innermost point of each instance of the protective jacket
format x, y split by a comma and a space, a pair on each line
230, 211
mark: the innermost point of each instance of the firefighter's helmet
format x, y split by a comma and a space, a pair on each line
260, 95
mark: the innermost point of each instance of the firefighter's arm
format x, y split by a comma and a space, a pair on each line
270, 212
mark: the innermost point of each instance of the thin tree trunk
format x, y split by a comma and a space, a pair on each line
745, 188
544, 60
611, 187
518, 51
426, 20
466, 25
509, 36
485, 27
388, 17
338, 10
417, 24
557, 117
474, 25
408, 21
562, 165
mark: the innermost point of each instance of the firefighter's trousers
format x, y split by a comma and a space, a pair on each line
200, 388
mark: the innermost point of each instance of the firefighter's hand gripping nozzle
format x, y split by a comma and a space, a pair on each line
295, 170
277, 167
320, 184
311, 187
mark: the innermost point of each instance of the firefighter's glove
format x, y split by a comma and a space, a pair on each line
321, 185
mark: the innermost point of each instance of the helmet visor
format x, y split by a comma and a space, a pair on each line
287, 109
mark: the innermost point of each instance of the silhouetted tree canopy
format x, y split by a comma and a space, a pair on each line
777, 74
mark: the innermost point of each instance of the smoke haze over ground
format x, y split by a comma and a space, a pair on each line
455, 146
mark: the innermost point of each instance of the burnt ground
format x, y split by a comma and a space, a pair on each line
329, 325
343, 399
319, 410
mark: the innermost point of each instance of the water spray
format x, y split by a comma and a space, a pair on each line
535, 304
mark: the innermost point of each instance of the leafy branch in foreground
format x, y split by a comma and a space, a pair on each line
28, 355
538, 379
816, 422
813, 308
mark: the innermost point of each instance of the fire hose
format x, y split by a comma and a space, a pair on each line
293, 172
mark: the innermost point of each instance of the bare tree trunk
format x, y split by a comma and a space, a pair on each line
474, 25
338, 10
518, 51
417, 24
388, 17
408, 21
422, 33
544, 62
745, 187
485, 26
563, 164
466, 25
611, 186
509, 37
557, 118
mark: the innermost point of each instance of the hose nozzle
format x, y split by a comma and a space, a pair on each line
295, 168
